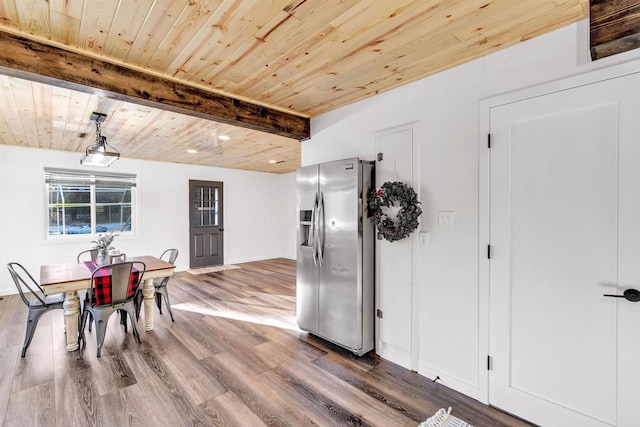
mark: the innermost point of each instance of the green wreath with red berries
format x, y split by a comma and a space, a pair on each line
389, 195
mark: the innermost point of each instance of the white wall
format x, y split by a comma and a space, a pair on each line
447, 107
259, 211
286, 202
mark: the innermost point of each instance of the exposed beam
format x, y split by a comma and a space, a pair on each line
614, 26
32, 60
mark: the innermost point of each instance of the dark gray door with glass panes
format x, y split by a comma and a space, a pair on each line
206, 228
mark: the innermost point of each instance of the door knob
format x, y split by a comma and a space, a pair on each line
632, 295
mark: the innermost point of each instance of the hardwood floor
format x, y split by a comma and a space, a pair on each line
233, 357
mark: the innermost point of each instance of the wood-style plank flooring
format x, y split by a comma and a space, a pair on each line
233, 357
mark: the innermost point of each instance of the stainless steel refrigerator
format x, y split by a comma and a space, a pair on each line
335, 258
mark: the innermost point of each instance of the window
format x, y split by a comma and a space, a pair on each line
82, 202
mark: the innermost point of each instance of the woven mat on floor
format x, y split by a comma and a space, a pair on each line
443, 418
212, 269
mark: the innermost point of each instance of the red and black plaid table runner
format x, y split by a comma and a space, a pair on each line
102, 284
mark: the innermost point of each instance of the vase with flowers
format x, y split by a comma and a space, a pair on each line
103, 245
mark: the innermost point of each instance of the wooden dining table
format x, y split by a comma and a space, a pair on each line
73, 277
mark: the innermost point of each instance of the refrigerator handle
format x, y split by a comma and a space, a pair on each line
314, 216
320, 238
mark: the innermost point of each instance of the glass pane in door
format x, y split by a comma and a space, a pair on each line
215, 207
206, 207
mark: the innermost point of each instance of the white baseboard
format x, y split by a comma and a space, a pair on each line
8, 291
254, 259
449, 380
394, 354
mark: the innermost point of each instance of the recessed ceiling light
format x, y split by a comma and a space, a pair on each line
224, 137
273, 161
192, 151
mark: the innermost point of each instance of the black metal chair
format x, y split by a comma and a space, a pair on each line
113, 289
170, 255
92, 253
37, 302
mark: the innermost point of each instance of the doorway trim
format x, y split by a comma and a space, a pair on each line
484, 186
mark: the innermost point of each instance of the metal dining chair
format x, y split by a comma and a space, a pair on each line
160, 285
92, 253
88, 255
33, 296
120, 257
170, 256
113, 289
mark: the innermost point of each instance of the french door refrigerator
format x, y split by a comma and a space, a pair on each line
335, 253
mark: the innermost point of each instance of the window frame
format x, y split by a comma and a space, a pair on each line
93, 179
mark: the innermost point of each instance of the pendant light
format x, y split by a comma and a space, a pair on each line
101, 153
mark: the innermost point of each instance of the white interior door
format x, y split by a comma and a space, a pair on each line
564, 230
394, 272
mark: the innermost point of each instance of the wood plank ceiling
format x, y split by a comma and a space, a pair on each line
304, 57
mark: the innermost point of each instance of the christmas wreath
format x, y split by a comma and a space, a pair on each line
384, 201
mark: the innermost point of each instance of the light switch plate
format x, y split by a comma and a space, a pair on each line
424, 239
447, 219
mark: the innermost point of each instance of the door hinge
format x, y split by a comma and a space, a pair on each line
380, 156
488, 251
489, 140
488, 363
379, 313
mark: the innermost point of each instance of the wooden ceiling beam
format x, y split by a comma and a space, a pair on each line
614, 27
32, 60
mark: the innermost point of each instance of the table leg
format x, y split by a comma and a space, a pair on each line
148, 293
71, 308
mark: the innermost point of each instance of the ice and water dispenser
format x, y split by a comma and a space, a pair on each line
305, 228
